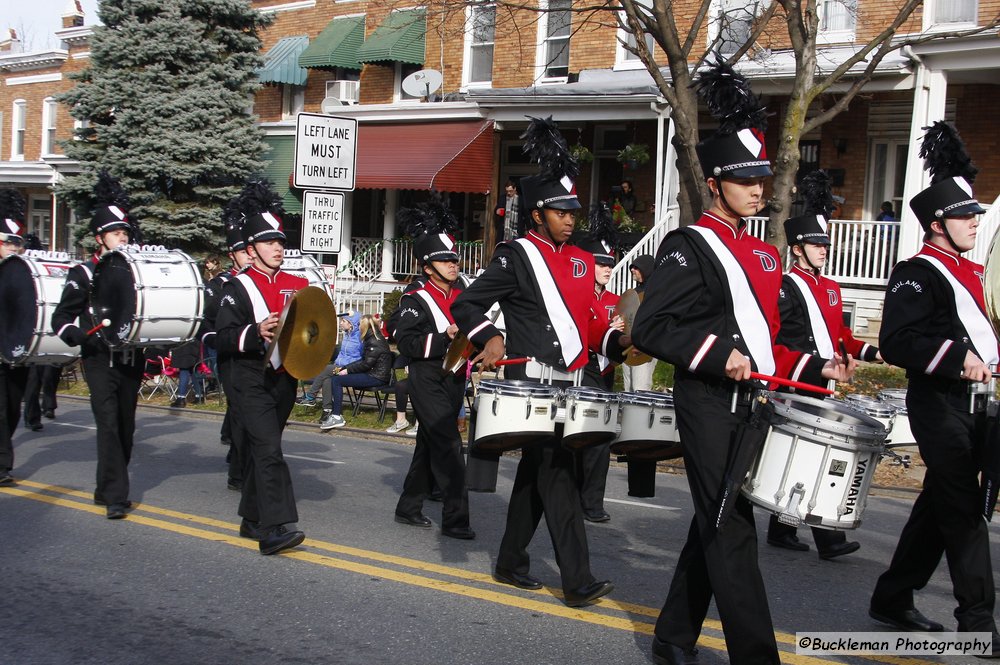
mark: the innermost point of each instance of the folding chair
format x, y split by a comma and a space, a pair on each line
381, 393
165, 380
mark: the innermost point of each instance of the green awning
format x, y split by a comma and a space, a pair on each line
400, 38
281, 62
336, 46
280, 161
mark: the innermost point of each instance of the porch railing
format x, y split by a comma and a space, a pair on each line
470, 256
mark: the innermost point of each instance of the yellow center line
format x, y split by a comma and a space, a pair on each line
543, 607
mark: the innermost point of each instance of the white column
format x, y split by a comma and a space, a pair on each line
346, 229
928, 106
389, 233
53, 222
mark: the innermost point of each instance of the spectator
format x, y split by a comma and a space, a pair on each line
402, 390
626, 198
184, 358
507, 214
374, 369
213, 266
350, 352
886, 214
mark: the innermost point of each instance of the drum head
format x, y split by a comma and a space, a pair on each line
20, 308
113, 297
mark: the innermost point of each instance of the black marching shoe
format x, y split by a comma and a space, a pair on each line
49, 413
117, 511
910, 620
413, 520
789, 542
587, 594
596, 516
6, 480
515, 579
36, 427
460, 532
665, 653
250, 529
234, 485
840, 549
278, 539
102, 502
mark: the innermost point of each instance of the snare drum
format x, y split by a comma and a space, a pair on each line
901, 434
648, 426
590, 417
153, 297
307, 267
874, 408
30, 290
513, 414
817, 463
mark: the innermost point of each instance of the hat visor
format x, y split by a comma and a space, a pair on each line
604, 261
818, 240
758, 171
968, 209
267, 235
565, 204
113, 226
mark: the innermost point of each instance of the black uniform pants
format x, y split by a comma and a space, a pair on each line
719, 563
947, 516
230, 432
437, 457
40, 392
592, 471
262, 405
114, 390
12, 380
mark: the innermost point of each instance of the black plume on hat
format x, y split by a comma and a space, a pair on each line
258, 196
944, 154
952, 175
11, 205
546, 146
811, 225
111, 204
729, 98
32, 241
603, 236
431, 225
817, 194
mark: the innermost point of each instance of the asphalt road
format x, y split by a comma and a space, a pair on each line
173, 583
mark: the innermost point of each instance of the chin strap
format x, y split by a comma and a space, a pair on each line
947, 236
437, 272
816, 271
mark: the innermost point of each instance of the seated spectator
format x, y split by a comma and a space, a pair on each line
374, 369
350, 352
184, 358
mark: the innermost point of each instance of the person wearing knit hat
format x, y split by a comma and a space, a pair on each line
711, 310
936, 326
425, 331
262, 393
13, 379
812, 320
113, 377
543, 286
639, 377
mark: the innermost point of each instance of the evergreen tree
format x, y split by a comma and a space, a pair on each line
164, 103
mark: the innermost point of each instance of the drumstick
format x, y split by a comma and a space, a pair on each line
843, 351
103, 324
512, 361
789, 383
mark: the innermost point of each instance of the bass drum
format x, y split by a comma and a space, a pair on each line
30, 289
307, 267
151, 296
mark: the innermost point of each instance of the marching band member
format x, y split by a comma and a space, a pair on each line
711, 310
213, 297
263, 394
812, 320
424, 330
12, 379
544, 289
113, 377
593, 462
935, 326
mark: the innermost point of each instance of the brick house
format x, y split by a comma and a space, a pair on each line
351, 57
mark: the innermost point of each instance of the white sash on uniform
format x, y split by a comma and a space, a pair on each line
820, 333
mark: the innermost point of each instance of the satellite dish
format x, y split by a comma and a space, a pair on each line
330, 104
422, 83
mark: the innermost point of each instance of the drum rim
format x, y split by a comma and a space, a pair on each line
517, 388
870, 430
646, 398
871, 406
591, 394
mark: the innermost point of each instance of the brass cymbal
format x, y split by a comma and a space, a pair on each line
626, 308
991, 283
458, 353
307, 333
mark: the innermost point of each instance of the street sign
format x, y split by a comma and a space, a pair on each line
322, 222
325, 152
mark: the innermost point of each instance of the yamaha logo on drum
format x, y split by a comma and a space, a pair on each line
855, 491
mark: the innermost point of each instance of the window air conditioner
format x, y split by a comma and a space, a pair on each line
345, 91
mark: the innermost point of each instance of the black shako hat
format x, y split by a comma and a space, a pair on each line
603, 236
811, 225
553, 187
262, 226
737, 149
109, 218
110, 211
952, 175
234, 238
435, 247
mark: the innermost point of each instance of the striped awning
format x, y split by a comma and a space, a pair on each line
281, 62
336, 46
400, 38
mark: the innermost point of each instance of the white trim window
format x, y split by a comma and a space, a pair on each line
837, 20
947, 14
293, 100
402, 70
624, 58
18, 126
733, 23
554, 28
477, 65
50, 108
